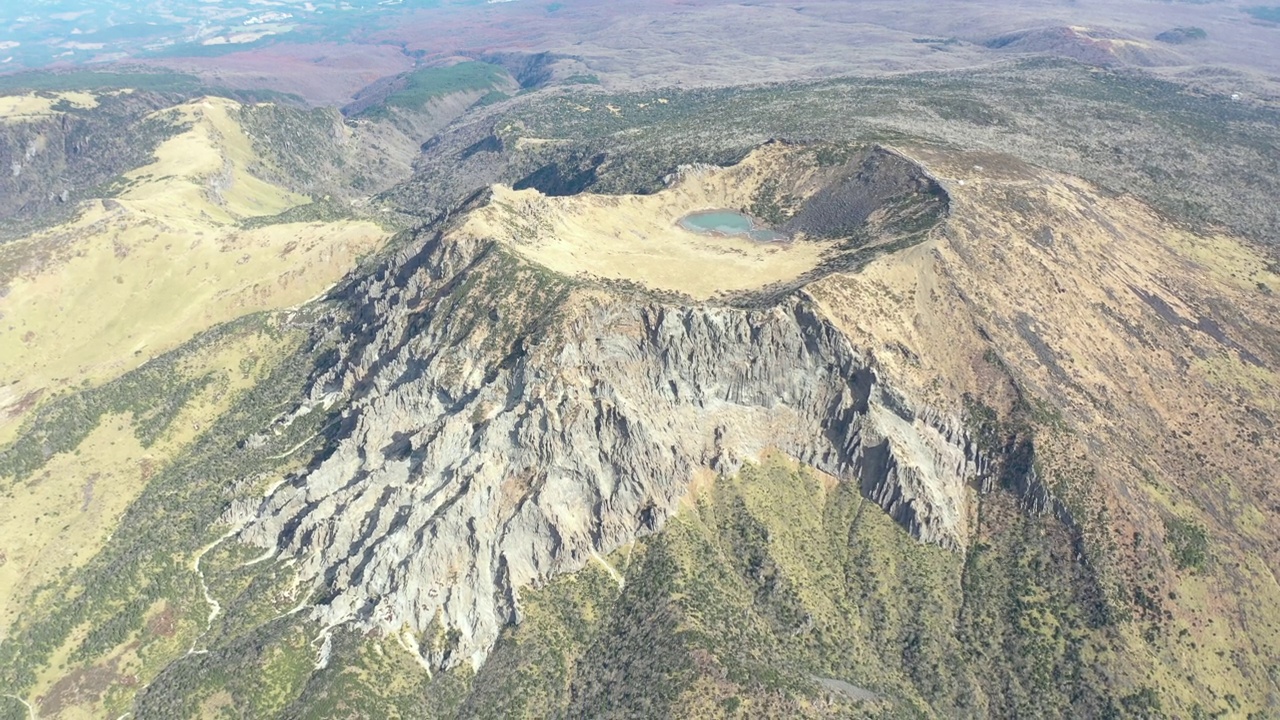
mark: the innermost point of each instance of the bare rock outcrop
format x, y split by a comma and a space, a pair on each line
504, 424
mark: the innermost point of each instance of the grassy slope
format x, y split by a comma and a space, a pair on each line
423, 86
101, 477
165, 258
764, 583
136, 604
20, 107
56, 518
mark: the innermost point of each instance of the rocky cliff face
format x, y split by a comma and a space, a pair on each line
505, 425
50, 159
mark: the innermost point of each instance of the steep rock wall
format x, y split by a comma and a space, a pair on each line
494, 440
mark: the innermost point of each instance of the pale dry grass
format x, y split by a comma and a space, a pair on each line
30, 106
636, 237
61, 516
137, 275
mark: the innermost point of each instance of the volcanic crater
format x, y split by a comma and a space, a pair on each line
830, 208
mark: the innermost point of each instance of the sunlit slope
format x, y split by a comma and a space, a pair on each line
30, 106
74, 483
60, 516
1143, 355
169, 255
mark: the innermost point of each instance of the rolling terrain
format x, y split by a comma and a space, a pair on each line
432, 408
181, 246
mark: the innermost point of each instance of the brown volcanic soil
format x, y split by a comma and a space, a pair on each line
323, 73
652, 43
1092, 46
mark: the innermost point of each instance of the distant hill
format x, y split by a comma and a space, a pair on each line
1091, 45
413, 90
1181, 35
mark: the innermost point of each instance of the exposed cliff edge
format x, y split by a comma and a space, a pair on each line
505, 423
466, 472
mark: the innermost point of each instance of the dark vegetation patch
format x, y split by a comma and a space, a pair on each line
263, 671
413, 90
489, 144
164, 82
1181, 35
314, 212
153, 394
530, 70
1188, 543
93, 80
491, 97
561, 179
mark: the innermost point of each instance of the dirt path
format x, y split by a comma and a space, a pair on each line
295, 448
613, 572
30, 710
214, 606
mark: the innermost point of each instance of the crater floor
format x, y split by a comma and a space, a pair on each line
638, 238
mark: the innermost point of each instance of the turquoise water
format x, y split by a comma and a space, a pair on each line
726, 222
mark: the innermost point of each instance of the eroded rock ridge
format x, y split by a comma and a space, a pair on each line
504, 425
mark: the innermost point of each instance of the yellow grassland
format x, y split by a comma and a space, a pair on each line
62, 515
139, 274
637, 237
31, 106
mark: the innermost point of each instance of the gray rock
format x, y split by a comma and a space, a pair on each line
474, 462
